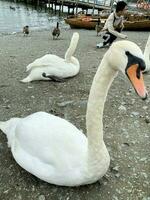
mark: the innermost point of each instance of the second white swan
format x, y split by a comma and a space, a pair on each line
53, 67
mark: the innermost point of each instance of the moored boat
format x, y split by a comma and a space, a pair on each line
142, 25
131, 23
82, 22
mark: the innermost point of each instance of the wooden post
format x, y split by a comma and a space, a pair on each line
93, 8
62, 8
59, 9
73, 10
111, 5
45, 6
55, 6
49, 5
68, 10
52, 7
38, 2
77, 6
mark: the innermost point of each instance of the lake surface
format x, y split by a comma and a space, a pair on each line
13, 16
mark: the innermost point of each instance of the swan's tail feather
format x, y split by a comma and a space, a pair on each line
8, 128
73, 44
29, 67
3, 127
26, 80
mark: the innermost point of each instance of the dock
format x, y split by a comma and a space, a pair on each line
72, 5
85, 5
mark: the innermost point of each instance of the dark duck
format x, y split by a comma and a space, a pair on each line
26, 30
98, 26
56, 32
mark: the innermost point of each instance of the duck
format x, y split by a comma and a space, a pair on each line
12, 8
147, 55
56, 31
53, 149
26, 30
98, 26
54, 68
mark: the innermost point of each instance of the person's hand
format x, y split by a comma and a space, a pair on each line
124, 37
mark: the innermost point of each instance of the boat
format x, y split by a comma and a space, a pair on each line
142, 25
85, 22
133, 22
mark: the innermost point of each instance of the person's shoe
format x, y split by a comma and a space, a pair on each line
100, 45
108, 45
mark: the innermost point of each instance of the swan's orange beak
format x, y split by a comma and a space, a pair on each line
136, 77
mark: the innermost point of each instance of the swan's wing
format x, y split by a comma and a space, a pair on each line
48, 141
45, 61
32, 164
59, 69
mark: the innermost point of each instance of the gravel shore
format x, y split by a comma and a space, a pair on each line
126, 117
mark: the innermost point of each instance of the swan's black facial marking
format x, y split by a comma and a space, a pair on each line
132, 60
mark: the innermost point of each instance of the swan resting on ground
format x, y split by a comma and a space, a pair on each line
147, 55
53, 67
53, 149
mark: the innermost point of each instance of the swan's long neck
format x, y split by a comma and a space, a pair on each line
95, 107
147, 54
70, 51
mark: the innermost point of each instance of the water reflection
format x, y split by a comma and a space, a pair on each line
14, 16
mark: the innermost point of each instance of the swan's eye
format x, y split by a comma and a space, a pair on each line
142, 66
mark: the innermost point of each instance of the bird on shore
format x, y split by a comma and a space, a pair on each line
26, 30
12, 8
147, 55
53, 149
56, 32
98, 26
54, 68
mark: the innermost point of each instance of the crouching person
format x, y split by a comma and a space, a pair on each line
114, 25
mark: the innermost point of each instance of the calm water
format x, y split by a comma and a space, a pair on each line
13, 20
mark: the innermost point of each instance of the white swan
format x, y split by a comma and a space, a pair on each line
53, 149
52, 67
147, 55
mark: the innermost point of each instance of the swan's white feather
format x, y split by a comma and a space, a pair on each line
34, 153
47, 60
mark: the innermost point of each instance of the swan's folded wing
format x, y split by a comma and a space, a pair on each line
45, 61
51, 140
